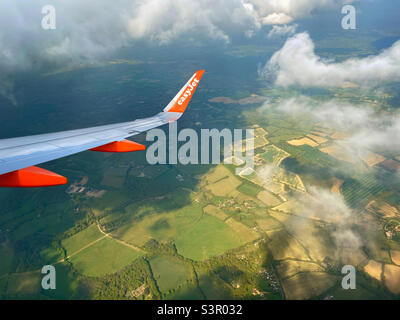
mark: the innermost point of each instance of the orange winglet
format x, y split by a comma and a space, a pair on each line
120, 146
31, 177
187, 93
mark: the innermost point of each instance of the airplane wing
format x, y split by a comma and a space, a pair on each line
18, 156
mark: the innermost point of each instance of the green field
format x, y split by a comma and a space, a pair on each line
213, 287
249, 189
169, 273
103, 257
52, 254
162, 227
273, 155
114, 177
24, 285
67, 283
81, 239
6, 258
209, 237
186, 292
357, 192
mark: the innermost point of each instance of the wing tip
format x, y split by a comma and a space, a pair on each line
181, 100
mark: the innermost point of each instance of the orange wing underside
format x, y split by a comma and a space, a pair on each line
31, 177
38, 177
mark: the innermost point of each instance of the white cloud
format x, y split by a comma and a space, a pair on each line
285, 11
327, 205
323, 205
277, 18
92, 28
296, 64
89, 28
85, 30
167, 20
280, 31
366, 129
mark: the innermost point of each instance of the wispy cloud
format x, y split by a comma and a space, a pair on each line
366, 129
343, 240
280, 31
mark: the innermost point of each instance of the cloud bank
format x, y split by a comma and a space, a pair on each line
285, 11
88, 30
296, 64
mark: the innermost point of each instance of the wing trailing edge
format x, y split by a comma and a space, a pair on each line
120, 146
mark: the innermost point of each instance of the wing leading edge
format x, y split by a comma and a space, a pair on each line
18, 155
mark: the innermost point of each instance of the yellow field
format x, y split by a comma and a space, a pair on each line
275, 187
253, 176
284, 246
217, 174
281, 217
235, 160
320, 134
372, 159
225, 186
245, 233
302, 141
215, 211
260, 141
292, 180
338, 136
235, 194
338, 153
273, 177
288, 206
221, 182
337, 183
307, 285
267, 198
259, 132
301, 209
268, 224
289, 268
382, 208
374, 269
395, 254
309, 235
317, 139
348, 84
392, 278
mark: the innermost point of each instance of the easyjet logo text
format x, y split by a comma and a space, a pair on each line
188, 91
